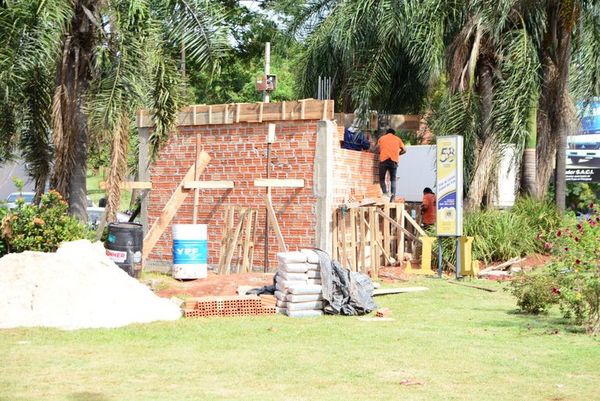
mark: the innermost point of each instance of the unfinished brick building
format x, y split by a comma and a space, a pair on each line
307, 147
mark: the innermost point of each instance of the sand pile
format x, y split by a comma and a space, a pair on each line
76, 287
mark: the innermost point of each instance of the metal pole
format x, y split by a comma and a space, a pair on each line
458, 257
440, 263
266, 97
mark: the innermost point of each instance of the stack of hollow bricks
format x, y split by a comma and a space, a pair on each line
238, 152
227, 306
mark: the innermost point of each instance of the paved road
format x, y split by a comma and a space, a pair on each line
7, 172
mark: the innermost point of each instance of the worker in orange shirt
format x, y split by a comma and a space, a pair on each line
428, 209
390, 148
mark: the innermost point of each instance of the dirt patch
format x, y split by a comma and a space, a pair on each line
534, 261
214, 284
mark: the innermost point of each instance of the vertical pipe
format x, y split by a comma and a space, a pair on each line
266, 96
458, 258
440, 263
319, 88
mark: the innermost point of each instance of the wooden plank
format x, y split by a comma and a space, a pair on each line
415, 225
208, 184
172, 206
233, 241
386, 255
386, 230
129, 185
247, 238
342, 223
336, 244
400, 234
283, 110
273, 222
399, 227
260, 112
373, 239
363, 239
279, 183
254, 230
224, 237
376, 229
353, 249
196, 177
391, 291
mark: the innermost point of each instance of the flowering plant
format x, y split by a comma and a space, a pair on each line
41, 228
576, 266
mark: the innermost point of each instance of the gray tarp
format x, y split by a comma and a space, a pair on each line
346, 292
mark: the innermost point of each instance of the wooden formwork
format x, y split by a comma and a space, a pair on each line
368, 237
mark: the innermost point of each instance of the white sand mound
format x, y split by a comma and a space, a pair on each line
76, 287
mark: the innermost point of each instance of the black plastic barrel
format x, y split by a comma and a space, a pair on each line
124, 246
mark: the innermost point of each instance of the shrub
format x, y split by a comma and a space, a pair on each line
41, 228
535, 293
576, 266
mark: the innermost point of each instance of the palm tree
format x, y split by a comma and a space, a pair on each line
389, 54
101, 61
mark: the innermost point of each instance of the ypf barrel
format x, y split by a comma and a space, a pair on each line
190, 251
124, 246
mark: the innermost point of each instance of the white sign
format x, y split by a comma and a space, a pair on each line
449, 186
116, 256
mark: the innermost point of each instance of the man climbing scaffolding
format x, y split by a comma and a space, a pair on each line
390, 148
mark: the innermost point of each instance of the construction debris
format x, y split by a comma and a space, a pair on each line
76, 287
383, 312
501, 270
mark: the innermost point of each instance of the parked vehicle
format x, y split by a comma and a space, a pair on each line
11, 200
586, 145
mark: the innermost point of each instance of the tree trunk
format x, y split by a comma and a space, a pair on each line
528, 165
70, 129
487, 153
554, 119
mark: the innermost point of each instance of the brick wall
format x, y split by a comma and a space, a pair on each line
353, 171
238, 153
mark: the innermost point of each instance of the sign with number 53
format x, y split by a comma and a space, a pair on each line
449, 186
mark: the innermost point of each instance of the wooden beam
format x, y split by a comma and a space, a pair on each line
129, 185
415, 224
169, 210
398, 226
208, 184
196, 177
275, 224
279, 183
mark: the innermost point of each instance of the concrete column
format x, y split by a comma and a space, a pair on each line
324, 184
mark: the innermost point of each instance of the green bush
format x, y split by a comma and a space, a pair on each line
3, 212
503, 234
535, 293
41, 228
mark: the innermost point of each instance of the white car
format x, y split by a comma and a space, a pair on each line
583, 147
11, 200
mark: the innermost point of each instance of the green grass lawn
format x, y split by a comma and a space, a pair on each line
95, 192
461, 343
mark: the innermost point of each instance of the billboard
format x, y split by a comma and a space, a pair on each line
583, 149
449, 186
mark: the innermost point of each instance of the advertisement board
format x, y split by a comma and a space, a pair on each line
583, 149
449, 186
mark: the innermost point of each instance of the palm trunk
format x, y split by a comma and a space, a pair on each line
479, 187
70, 128
554, 119
528, 170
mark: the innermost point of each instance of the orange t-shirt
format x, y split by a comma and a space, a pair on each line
429, 212
389, 147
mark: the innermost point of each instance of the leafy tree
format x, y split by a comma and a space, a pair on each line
77, 70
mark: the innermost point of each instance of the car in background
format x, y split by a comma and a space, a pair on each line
11, 200
95, 215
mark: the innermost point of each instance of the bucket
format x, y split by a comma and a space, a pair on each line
190, 251
124, 246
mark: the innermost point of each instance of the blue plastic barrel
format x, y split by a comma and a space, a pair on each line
190, 251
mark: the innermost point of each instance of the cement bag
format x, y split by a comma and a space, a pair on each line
281, 304
293, 276
304, 313
303, 298
291, 257
305, 289
311, 305
314, 281
294, 267
311, 256
313, 274
280, 295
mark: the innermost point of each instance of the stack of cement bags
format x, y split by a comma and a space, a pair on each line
298, 284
